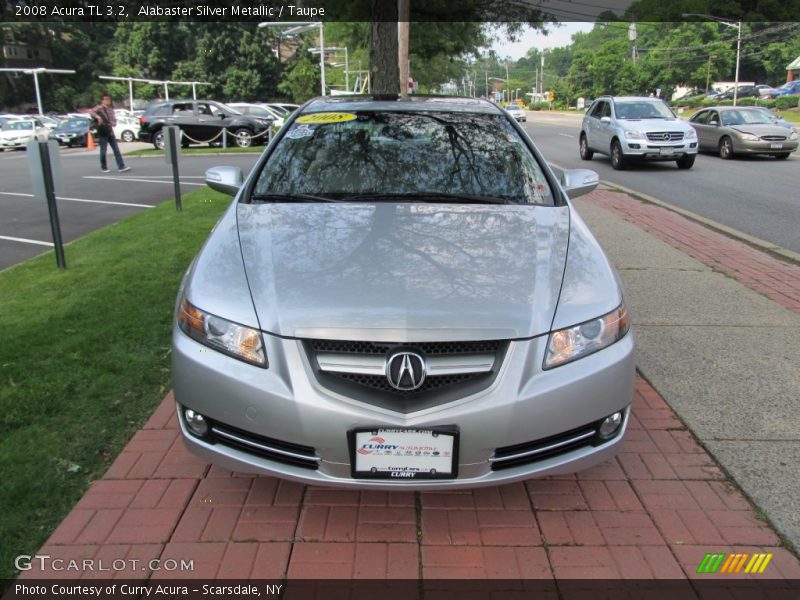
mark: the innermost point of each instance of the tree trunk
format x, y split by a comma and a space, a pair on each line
383, 48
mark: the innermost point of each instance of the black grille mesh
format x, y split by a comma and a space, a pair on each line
427, 348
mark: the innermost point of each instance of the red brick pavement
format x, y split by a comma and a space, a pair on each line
777, 279
651, 513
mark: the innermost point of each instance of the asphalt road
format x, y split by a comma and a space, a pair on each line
759, 196
90, 199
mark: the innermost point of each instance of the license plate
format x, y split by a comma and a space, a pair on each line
667, 150
404, 454
776, 145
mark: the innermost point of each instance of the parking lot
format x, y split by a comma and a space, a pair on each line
90, 199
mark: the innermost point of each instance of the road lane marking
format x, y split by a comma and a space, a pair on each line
566, 135
136, 179
26, 241
84, 200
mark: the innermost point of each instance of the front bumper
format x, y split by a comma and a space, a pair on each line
647, 150
287, 403
761, 147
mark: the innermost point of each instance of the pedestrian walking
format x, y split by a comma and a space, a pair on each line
103, 114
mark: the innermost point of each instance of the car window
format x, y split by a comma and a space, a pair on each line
20, 125
606, 110
713, 118
701, 117
597, 109
404, 154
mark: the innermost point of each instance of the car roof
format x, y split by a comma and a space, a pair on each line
413, 104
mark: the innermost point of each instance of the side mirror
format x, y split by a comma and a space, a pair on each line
714, 123
227, 180
605, 119
577, 182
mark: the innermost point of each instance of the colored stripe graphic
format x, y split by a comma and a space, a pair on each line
734, 563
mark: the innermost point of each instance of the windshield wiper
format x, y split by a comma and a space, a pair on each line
428, 197
290, 198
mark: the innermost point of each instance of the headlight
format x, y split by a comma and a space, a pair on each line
633, 135
229, 338
793, 135
749, 137
691, 134
572, 343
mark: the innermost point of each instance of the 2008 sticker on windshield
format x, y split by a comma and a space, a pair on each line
300, 131
326, 117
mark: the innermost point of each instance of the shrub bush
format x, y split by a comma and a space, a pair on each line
787, 102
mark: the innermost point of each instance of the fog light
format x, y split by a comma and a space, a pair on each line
634, 146
197, 424
610, 426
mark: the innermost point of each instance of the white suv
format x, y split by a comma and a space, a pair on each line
628, 128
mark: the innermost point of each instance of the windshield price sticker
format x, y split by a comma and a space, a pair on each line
326, 117
404, 453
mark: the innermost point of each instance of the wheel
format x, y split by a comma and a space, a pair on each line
685, 162
782, 155
617, 157
726, 148
158, 140
243, 138
583, 146
127, 136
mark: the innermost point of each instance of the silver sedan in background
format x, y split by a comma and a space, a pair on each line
731, 130
401, 296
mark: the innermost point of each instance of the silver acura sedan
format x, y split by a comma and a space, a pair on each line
402, 296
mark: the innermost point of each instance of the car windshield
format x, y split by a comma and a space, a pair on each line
258, 111
20, 125
74, 123
423, 156
229, 108
745, 117
642, 109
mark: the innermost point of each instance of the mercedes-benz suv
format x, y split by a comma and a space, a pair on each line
631, 128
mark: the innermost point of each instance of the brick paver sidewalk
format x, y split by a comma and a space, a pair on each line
652, 512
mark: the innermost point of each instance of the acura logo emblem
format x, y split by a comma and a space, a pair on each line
405, 371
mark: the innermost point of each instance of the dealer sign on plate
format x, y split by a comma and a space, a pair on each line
404, 454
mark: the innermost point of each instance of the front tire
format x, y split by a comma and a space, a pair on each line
726, 148
685, 162
243, 138
617, 157
583, 147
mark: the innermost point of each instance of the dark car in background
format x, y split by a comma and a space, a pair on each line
202, 122
73, 131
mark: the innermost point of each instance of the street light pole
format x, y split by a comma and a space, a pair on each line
300, 27
35, 72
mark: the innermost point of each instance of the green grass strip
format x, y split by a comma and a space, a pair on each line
199, 150
85, 359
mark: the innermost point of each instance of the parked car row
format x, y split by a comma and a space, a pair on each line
631, 128
69, 130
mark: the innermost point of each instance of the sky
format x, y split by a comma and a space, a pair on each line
557, 36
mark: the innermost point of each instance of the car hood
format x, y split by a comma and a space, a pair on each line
14, 133
404, 271
655, 124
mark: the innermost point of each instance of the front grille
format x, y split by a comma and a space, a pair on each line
665, 136
426, 348
276, 450
508, 457
371, 385
773, 138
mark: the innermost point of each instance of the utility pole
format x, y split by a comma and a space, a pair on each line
632, 35
708, 70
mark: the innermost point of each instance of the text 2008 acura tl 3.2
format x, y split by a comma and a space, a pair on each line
402, 296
